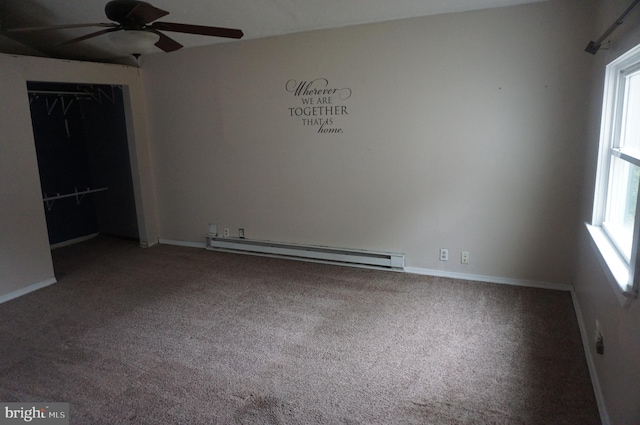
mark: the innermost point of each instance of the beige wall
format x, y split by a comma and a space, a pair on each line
618, 370
462, 132
24, 246
25, 258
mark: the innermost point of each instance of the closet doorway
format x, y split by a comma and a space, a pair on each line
83, 158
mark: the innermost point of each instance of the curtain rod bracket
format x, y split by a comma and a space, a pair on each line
594, 46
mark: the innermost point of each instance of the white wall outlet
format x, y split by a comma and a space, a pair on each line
241, 233
464, 257
444, 254
226, 232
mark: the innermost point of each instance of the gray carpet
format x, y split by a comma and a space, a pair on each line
172, 335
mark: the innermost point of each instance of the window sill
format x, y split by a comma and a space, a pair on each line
616, 270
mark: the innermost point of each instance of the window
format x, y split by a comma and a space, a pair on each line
616, 218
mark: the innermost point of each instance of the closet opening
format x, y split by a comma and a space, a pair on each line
82, 149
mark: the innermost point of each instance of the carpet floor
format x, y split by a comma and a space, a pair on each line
175, 335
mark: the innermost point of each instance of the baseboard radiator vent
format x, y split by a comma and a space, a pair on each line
319, 254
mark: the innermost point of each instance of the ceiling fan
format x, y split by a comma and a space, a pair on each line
136, 28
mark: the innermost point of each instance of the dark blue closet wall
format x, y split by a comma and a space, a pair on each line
81, 143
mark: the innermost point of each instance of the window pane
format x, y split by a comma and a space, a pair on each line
621, 204
630, 134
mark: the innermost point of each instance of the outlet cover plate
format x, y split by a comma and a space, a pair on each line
464, 257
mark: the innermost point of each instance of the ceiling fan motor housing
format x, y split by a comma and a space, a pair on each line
132, 14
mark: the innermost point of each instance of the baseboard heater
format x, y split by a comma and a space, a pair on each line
320, 254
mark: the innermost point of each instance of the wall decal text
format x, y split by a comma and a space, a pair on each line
321, 105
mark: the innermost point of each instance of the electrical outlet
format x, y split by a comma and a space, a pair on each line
241, 233
444, 254
464, 257
600, 345
226, 232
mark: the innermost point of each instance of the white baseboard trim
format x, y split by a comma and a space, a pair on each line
73, 241
27, 289
586, 342
489, 279
182, 243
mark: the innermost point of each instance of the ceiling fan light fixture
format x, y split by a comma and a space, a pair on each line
135, 31
135, 42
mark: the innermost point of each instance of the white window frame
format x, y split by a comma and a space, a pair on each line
624, 276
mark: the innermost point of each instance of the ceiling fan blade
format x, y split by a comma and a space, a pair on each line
91, 35
144, 13
59, 27
165, 43
198, 29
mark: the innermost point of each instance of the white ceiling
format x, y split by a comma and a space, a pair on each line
257, 18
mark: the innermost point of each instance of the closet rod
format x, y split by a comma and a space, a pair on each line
60, 93
68, 195
594, 46
49, 200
